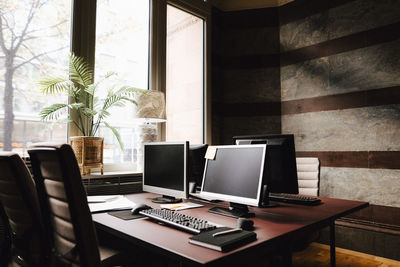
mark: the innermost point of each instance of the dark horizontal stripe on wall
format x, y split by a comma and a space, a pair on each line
375, 97
363, 39
300, 9
247, 61
375, 218
250, 18
247, 109
355, 159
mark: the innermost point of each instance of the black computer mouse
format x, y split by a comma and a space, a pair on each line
245, 224
139, 207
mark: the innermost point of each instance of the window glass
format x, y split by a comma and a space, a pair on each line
185, 76
34, 42
122, 46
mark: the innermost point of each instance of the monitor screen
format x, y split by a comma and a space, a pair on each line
235, 175
280, 173
165, 166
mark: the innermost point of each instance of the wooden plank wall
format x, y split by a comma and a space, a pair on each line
327, 71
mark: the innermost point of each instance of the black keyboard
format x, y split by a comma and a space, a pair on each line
179, 220
293, 198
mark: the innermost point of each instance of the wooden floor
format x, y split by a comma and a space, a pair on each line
317, 255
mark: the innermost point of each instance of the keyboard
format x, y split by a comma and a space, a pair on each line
294, 198
179, 220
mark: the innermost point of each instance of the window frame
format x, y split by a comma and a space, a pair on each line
158, 43
83, 43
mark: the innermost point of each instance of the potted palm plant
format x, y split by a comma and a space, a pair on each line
86, 111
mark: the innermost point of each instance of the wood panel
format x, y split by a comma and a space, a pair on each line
375, 218
351, 42
355, 159
375, 97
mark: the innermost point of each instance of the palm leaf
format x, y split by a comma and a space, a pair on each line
80, 71
116, 133
49, 85
129, 90
88, 112
52, 112
76, 105
112, 100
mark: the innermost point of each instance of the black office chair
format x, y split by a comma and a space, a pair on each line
5, 239
19, 199
64, 203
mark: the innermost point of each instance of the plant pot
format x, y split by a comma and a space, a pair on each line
88, 152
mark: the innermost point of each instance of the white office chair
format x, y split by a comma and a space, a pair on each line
308, 176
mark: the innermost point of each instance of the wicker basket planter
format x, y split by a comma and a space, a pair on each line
88, 151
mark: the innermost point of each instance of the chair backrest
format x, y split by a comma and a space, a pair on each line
5, 238
63, 200
308, 176
20, 202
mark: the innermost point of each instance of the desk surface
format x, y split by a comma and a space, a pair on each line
275, 227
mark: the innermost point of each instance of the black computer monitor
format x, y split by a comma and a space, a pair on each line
235, 175
280, 173
196, 164
165, 169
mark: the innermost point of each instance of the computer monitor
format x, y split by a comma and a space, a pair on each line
280, 173
234, 175
164, 172
196, 164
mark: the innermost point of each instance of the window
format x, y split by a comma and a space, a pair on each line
122, 46
31, 47
184, 76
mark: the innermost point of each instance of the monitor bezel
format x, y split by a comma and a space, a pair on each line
236, 199
166, 191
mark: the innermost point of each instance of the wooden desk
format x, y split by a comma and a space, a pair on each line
277, 229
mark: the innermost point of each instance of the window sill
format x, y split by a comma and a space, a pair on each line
114, 170
110, 174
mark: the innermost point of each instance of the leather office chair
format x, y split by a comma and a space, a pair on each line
308, 175
5, 241
308, 180
19, 199
64, 203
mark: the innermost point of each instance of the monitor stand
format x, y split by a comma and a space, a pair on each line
235, 210
166, 199
265, 202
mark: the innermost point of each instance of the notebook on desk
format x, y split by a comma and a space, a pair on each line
224, 242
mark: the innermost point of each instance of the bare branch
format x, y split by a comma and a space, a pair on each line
52, 26
28, 22
39, 55
13, 35
2, 44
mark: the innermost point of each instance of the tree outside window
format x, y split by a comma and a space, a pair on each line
34, 42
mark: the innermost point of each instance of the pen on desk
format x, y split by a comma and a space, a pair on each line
227, 232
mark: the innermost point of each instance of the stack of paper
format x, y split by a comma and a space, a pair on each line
107, 203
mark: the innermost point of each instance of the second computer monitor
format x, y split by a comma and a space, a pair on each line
165, 168
234, 174
280, 173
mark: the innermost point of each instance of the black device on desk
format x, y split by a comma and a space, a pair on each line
234, 174
295, 199
165, 170
280, 172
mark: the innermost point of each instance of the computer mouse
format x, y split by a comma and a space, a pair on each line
245, 224
139, 207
